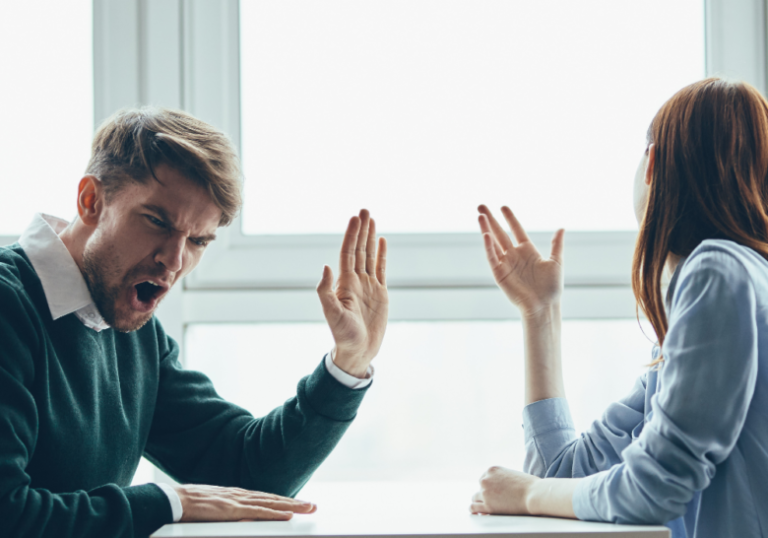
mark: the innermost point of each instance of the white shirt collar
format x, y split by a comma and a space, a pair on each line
63, 283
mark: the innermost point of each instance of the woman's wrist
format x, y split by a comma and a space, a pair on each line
551, 497
542, 316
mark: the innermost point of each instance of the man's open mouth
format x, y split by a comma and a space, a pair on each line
148, 294
148, 291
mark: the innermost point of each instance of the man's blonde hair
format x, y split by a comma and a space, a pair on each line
131, 143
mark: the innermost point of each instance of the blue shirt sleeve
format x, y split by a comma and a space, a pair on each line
552, 448
706, 384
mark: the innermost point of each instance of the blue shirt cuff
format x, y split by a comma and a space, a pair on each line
583, 506
546, 418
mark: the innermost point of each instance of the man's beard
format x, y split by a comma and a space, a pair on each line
98, 267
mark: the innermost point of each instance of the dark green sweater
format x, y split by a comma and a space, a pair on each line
78, 408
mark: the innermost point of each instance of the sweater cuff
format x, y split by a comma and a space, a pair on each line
150, 509
583, 498
330, 398
173, 499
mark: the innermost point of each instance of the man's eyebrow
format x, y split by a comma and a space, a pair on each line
163, 214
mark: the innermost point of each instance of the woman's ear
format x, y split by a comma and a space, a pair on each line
651, 161
90, 199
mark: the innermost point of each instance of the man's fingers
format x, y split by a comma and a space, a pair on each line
348, 245
370, 249
381, 262
557, 246
501, 236
259, 513
362, 239
325, 286
328, 301
517, 228
287, 505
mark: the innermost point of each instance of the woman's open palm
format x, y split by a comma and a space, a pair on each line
530, 281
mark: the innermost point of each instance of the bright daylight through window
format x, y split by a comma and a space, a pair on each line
420, 110
447, 395
48, 119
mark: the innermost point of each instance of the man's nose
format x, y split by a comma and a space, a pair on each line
171, 253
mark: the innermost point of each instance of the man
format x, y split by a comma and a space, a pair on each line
89, 382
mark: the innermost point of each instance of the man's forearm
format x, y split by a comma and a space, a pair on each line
543, 367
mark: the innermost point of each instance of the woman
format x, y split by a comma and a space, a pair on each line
688, 447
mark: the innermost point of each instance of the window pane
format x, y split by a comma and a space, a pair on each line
421, 109
47, 100
447, 397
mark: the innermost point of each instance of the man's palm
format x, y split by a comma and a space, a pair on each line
356, 310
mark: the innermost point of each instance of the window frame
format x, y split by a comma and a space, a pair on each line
194, 64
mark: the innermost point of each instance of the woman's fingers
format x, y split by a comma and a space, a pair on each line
490, 250
500, 235
478, 508
485, 228
514, 224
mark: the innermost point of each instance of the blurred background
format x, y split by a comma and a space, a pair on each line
418, 110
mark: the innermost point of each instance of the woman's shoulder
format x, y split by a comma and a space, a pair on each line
727, 257
721, 265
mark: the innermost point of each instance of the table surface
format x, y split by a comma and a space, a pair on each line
388, 509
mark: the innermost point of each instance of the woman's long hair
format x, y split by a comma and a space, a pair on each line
709, 181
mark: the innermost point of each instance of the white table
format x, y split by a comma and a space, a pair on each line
403, 510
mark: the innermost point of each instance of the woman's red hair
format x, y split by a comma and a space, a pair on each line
709, 181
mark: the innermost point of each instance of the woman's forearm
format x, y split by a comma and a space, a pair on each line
543, 367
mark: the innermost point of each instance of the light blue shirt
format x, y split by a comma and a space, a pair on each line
688, 447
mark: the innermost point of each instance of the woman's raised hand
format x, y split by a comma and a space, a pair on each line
530, 281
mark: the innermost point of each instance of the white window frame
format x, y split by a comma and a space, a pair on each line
185, 54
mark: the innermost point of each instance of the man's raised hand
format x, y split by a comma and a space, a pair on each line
356, 308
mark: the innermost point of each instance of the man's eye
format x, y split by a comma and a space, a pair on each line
156, 221
200, 242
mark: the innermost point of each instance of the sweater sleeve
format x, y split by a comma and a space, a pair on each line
198, 437
707, 382
552, 448
108, 511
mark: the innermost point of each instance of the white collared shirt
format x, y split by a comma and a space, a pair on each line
66, 293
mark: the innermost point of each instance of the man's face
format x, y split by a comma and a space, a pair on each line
146, 239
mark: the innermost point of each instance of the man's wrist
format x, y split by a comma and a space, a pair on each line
177, 509
350, 363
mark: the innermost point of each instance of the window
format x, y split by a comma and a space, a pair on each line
47, 100
331, 100
447, 395
421, 110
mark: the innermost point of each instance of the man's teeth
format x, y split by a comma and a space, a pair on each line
151, 282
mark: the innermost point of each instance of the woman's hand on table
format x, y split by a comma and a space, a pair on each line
507, 492
213, 503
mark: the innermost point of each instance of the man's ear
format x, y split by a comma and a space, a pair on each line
90, 200
651, 162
